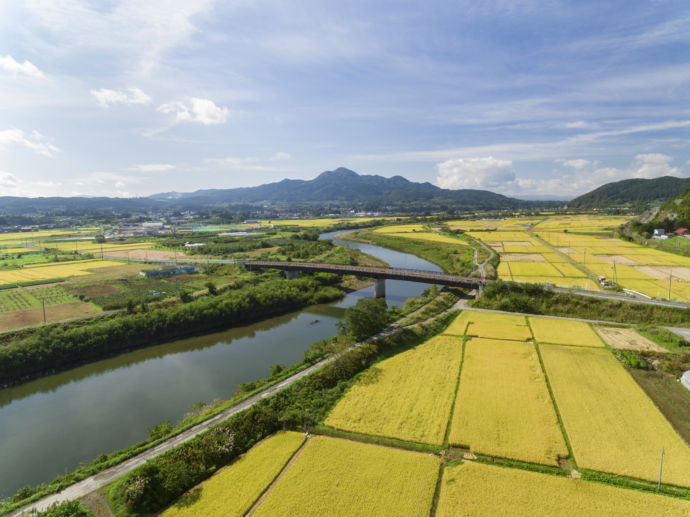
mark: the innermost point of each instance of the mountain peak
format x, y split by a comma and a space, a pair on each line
340, 172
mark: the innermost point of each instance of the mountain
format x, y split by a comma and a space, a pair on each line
632, 191
344, 185
339, 188
676, 212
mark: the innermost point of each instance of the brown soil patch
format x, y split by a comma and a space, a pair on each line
627, 339
663, 272
16, 319
523, 257
617, 259
147, 254
517, 243
566, 250
564, 463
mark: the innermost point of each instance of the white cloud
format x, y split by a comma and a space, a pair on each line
151, 167
578, 163
248, 163
9, 64
578, 124
282, 156
35, 141
8, 180
106, 97
653, 165
203, 111
474, 173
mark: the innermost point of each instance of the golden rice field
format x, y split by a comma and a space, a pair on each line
611, 423
564, 332
351, 478
323, 222
408, 396
43, 234
10, 251
631, 265
490, 325
503, 406
234, 490
476, 489
418, 232
40, 272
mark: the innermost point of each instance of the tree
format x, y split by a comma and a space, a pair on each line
212, 290
100, 238
365, 318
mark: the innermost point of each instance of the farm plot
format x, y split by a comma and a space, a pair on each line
490, 325
627, 339
478, 489
564, 332
340, 477
612, 425
408, 396
233, 490
20, 299
503, 406
41, 272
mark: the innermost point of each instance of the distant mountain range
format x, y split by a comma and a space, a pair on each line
339, 187
346, 189
634, 191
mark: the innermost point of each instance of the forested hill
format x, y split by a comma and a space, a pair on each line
633, 191
677, 210
344, 185
331, 190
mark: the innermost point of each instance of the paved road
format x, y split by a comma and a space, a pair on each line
620, 297
684, 333
92, 483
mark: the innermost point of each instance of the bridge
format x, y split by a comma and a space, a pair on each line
380, 274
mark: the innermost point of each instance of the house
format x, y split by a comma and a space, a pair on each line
659, 231
682, 231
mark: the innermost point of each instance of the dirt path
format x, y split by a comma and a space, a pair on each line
97, 504
268, 490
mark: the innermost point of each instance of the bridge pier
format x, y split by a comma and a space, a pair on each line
291, 275
380, 287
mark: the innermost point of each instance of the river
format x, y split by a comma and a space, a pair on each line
50, 425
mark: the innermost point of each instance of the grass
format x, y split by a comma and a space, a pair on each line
669, 395
20, 299
612, 425
341, 477
478, 489
503, 406
407, 396
564, 332
233, 490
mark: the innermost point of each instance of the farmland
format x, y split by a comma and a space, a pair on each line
43, 272
627, 339
234, 490
351, 478
490, 325
394, 398
612, 425
20, 299
477, 489
564, 332
503, 406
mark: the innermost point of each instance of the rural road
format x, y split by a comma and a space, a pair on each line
92, 483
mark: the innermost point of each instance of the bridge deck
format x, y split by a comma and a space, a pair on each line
410, 275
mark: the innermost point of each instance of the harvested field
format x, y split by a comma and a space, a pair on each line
477, 489
565, 249
24, 318
611, 423
342, 477
234, 489
503, 406
408, 396
627, 339
146, 254
517, 243
564, 332
523, 257
617, 259
664, 272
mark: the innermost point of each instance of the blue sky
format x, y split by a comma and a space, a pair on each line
525, 98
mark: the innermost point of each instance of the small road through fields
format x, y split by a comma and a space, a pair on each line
92, 483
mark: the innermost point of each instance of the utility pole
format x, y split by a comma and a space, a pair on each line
43, 300
670, 279
661, 467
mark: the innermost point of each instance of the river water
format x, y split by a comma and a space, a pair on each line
50, 425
